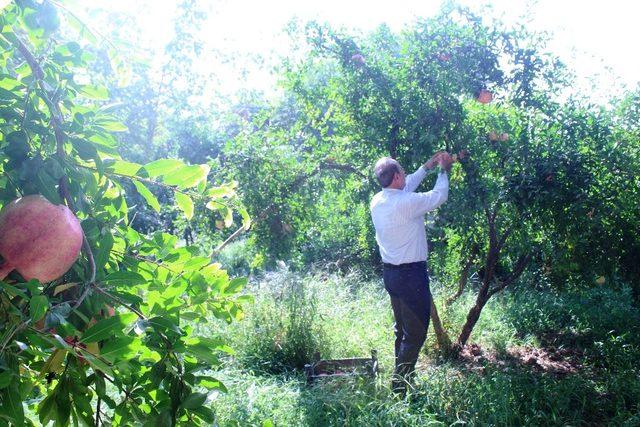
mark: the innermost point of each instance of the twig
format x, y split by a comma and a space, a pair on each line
521, 264
229, 239
97, 424
141, 258
120, 301
17, 329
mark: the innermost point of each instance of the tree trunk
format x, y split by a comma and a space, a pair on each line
444, 342
472, 319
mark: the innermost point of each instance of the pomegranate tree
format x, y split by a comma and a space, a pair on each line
38, 239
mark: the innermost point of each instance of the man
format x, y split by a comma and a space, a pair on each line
398, 216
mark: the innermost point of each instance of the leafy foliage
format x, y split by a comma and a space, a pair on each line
112, 341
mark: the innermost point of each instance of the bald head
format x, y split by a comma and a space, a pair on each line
385, 169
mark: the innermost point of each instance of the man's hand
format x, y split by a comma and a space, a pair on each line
434, 160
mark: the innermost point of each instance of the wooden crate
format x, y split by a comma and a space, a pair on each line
332, 368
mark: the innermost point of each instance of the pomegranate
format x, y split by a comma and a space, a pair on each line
357, 59
38, 239
504, 137
493, 136
483, 96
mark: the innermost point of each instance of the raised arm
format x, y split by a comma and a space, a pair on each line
422, 203
413, 181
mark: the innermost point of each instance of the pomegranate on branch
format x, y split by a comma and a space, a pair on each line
484, 96
38, 239
358, 60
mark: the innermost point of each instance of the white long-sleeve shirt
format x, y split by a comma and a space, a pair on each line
398, 217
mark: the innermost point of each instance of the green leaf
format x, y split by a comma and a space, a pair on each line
162, 167
112, 126
5, 378
163, 324
228, 217
13, 291
122, 167
216, 344
120, 348
187, 176
203, 353
236, 285
12, 403
246, 219
85, 149
9, 83
96, 363
18, 145
220, 192
147, 195
124, 278
94, 92
38, 307
196, 263
206, 414
107, 327
194, 400
185, 204
211, 383
105, 143
54, 362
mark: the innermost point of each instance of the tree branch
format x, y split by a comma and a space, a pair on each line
521, 264
504, 238
120, 301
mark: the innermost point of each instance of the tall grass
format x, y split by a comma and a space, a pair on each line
343, 315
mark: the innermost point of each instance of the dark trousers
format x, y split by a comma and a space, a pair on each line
408, 287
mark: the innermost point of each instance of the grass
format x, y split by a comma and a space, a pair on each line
596, 332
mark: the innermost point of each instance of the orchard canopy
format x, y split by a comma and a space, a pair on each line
547, 186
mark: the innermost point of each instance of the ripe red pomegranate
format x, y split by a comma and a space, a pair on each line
38, 239
483, 96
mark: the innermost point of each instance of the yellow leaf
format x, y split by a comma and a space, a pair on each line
54, 363
64, 287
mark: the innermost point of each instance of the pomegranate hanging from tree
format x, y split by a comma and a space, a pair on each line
38, 239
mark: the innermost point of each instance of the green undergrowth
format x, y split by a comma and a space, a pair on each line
296, 315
